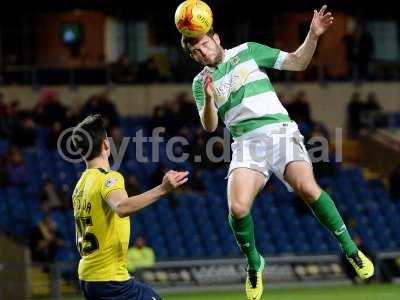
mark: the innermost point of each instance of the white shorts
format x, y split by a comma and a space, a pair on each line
269, 149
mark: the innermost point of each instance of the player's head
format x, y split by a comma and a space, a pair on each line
206, 50
90, 138
140, 242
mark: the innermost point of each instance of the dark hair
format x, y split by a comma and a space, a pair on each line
89, 135
185, 40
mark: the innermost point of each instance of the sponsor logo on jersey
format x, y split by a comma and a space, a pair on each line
235, 60
110, 182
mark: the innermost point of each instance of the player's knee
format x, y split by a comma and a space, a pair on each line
239, 209
309, 191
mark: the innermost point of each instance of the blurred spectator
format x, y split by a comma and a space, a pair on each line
372, 103
52, 139
359, 50
299, 108
180, 150
148, 72
158, 117
132, 185
51, 196
177, 113
318, 147
354, 110
13, 108
199, 156
4, 129
73, 115
351, 52
116, 136
140, 256
49, 108
198, 150
24, 134
3, 107
172, 117
91, 106
45, 240
3, 171
117, 154
189, 115
123, 70
8, 118
371, 116
218, 153
188, 134
365, 50
390, 269
394, 183
101, 104
196, 181
16, 168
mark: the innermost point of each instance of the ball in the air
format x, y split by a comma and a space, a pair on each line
193, 18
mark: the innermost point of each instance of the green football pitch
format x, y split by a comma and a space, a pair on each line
359, 292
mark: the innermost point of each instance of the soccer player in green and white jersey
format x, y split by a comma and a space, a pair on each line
233, 87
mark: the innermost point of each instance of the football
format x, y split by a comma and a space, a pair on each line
193, 18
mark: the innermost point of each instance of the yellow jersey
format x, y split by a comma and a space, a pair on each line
102, 237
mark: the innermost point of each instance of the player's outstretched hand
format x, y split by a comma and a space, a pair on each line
321, 21
173, 179
208, 85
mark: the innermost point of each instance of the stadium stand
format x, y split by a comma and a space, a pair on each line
179, 227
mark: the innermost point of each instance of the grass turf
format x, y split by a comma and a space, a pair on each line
359, 292
369, 292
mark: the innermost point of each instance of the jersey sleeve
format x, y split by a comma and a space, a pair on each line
111, 182
267, 57
198, 92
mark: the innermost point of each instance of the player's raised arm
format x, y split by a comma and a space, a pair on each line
124, 205
208, 116
300, 59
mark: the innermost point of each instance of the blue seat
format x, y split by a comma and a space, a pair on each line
198, 227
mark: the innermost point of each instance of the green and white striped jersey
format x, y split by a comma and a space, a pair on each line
244, 94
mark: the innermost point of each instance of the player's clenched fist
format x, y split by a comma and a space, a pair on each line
173, 179
208, 86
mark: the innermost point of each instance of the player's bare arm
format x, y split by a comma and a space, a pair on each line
124, 205
209, 117
300, 59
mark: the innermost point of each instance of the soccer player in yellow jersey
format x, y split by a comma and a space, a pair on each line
101, 209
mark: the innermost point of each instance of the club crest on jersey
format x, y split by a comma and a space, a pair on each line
110, 182
235, 60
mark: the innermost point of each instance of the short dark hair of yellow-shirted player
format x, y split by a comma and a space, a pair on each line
89, 135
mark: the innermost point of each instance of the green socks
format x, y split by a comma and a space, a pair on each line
326, 212
243, 229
